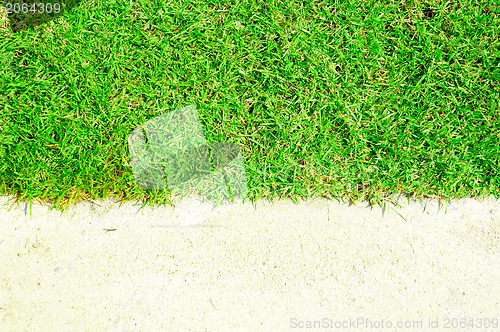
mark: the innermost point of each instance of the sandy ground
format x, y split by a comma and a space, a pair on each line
254, 267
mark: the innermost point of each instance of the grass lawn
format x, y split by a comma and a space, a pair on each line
354, 99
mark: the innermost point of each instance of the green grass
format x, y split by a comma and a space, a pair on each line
355, 100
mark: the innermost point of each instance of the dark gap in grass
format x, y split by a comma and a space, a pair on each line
429, 13
146, 139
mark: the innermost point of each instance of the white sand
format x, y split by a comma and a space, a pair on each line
262, 267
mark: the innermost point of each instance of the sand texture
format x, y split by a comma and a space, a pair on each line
263, 266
